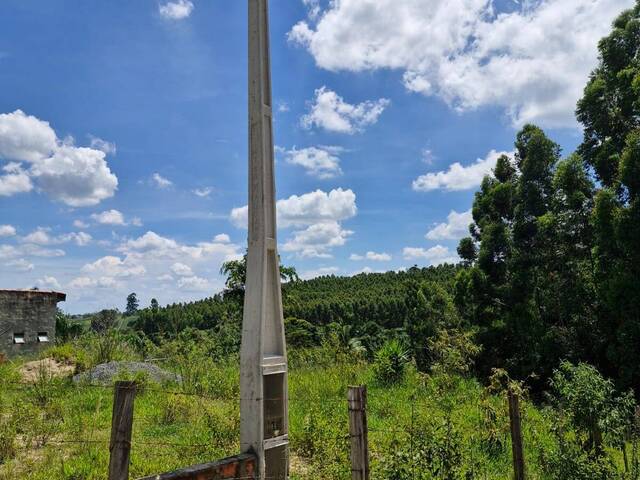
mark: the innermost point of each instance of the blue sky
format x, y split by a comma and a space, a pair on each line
123, 137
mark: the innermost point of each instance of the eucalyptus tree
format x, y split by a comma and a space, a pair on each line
610, 113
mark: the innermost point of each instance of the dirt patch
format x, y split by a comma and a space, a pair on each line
47, 368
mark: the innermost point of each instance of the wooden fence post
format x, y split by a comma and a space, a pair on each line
516, 435
121, 426
358, 433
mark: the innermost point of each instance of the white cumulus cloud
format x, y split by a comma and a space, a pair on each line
434, 255
109, 217
111, 266
181, 270
532, 62
319, 272
80, 224
20, 265
49, 282
103, 145
373, 256
458, 176
81, 239
29, 250
7, 231
15, 180
75, 176
160, 181
317, 240
306, 209
40, 236
320, 162
316, 218
154, 247
195, 283
457, 226
202, 192
177, 10
43, 236
81, 283
331, 112
222, 238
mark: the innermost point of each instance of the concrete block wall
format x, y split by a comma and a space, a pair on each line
27, 312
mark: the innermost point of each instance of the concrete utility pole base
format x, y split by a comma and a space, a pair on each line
264, 424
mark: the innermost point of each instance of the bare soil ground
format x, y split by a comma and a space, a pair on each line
32, 371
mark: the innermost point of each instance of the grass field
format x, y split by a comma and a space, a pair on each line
423, 427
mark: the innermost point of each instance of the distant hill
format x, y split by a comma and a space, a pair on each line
383, 298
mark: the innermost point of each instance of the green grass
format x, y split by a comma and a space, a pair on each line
417, 426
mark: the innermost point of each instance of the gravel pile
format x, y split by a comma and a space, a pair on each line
106, 373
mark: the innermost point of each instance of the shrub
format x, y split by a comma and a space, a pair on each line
222, 421
390, 363
569, 461
104, 320
174, 409
435, 452
453, 352
7, 440
93, 349
300, 333
399, 463
494, 426
593, 405
43, 389
311, 436
65, 328
62, 353
196, 356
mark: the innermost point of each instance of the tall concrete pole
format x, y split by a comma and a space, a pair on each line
264, 424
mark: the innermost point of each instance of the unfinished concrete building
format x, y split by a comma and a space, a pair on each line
27, 320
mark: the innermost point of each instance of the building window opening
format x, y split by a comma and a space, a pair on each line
43, 337
18, 338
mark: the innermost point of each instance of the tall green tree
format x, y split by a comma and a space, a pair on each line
132, 305
610, 113
530, 286
568, 293
236, 273
481, 291
434, 310
535, 158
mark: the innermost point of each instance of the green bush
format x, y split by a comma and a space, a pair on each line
596, 410
569, 461
175, 409
452, 352
390, 363
8, 436
104, 321
65, 328
435, 452
69, 353
299, 333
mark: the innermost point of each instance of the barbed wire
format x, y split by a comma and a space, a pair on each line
404, 426
142, 388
